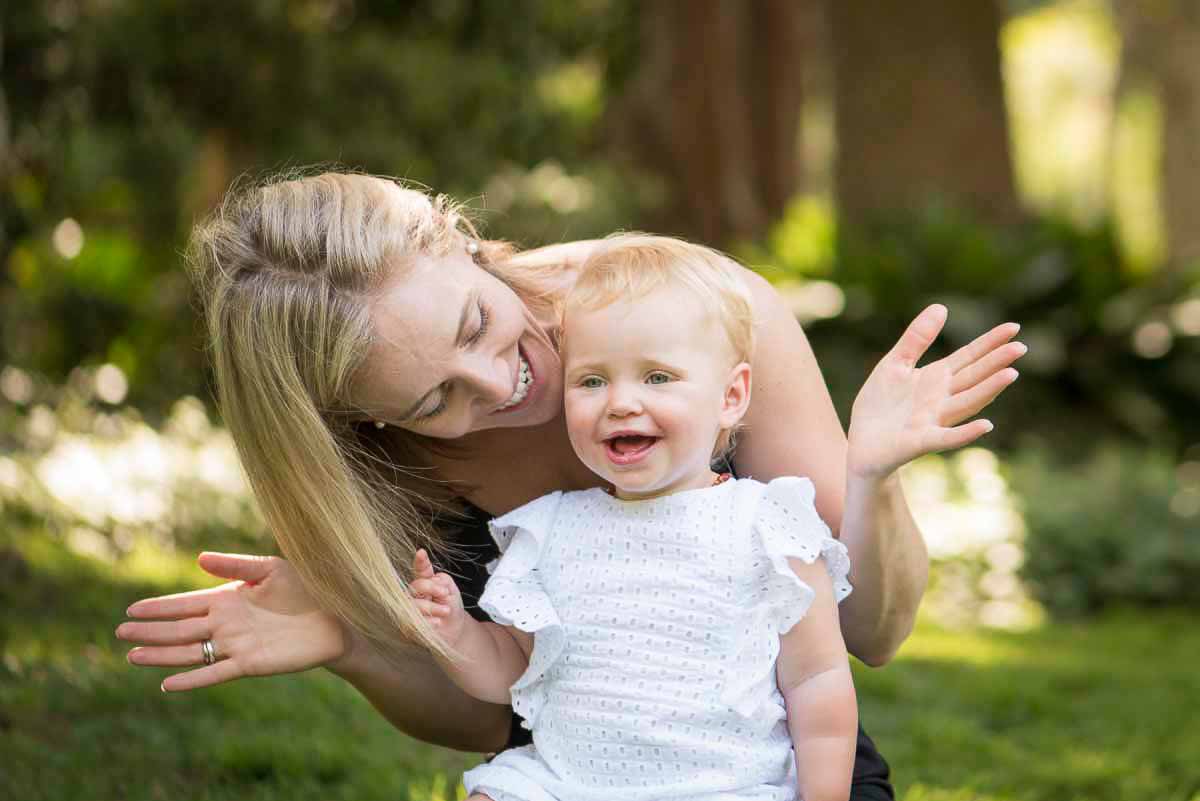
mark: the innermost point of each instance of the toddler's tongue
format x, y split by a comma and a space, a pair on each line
626, 445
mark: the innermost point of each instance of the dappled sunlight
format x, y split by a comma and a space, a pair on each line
972, 647
1060, 73
974, 531
106, 479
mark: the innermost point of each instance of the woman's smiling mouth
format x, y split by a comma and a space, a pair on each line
525, 382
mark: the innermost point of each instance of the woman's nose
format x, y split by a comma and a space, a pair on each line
493, 380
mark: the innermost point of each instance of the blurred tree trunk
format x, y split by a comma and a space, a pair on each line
5, 157
1162, 46
920, 108
4, 140
714, 110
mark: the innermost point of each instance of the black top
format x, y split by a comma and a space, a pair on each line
474, 541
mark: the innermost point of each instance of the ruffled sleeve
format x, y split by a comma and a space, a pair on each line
783, 523
514, 595
788, 525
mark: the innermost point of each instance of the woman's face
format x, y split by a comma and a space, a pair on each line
456, 351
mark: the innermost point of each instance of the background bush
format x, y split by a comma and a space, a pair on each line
1118, 528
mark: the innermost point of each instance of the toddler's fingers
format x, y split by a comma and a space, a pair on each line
426, 588
432, 608
422, 567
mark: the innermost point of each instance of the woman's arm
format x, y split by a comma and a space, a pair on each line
419, 699
793, 429
262, 622
814, 678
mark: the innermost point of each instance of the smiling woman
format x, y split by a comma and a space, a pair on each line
335, 302
477, 355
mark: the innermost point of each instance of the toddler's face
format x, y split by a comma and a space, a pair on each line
648, 386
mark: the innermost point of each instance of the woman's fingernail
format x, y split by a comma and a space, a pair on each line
163, 686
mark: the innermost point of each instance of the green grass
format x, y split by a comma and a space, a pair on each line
1103, 710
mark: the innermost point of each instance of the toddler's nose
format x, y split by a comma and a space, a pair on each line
623, 401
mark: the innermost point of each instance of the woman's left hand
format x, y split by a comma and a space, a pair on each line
904, 411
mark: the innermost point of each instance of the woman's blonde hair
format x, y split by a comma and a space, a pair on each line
630, 266
285, 269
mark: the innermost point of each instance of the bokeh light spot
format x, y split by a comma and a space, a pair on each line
16, 385
68, 238
1152, 340
111, 384
1186, 317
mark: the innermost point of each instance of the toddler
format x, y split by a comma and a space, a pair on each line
675, 637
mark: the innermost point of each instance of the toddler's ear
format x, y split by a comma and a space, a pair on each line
737, 396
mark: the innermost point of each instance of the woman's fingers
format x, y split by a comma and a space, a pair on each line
179, 632
958, 436
991, 363
167, 656
172, 607
225, 670
238, 566
969, 402
977, 348
920, 334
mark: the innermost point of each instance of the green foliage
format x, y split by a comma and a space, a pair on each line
129, 119
1116, 530
1112, 353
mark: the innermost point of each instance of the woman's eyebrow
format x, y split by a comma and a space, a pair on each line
459, 338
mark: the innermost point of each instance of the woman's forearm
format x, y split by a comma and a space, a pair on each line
420, 699
889, 568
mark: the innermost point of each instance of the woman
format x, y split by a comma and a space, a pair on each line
387, 377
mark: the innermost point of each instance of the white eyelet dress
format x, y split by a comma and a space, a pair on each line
656, 628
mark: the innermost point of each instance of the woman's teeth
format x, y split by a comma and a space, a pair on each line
524, 382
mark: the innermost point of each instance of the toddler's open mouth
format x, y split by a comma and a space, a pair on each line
625, 449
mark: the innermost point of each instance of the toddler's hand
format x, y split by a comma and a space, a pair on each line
438, 598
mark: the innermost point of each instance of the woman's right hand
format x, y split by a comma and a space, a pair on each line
261, 623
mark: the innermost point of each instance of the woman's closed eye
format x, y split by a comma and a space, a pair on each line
436, 410
484, 316
443, 398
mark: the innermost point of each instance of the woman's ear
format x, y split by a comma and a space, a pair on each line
737, 396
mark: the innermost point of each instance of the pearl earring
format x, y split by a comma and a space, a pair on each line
380, 424
472, 247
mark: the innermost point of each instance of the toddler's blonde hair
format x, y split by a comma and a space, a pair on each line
630, 266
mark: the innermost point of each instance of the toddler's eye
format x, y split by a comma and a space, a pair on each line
591, 382
658, 377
